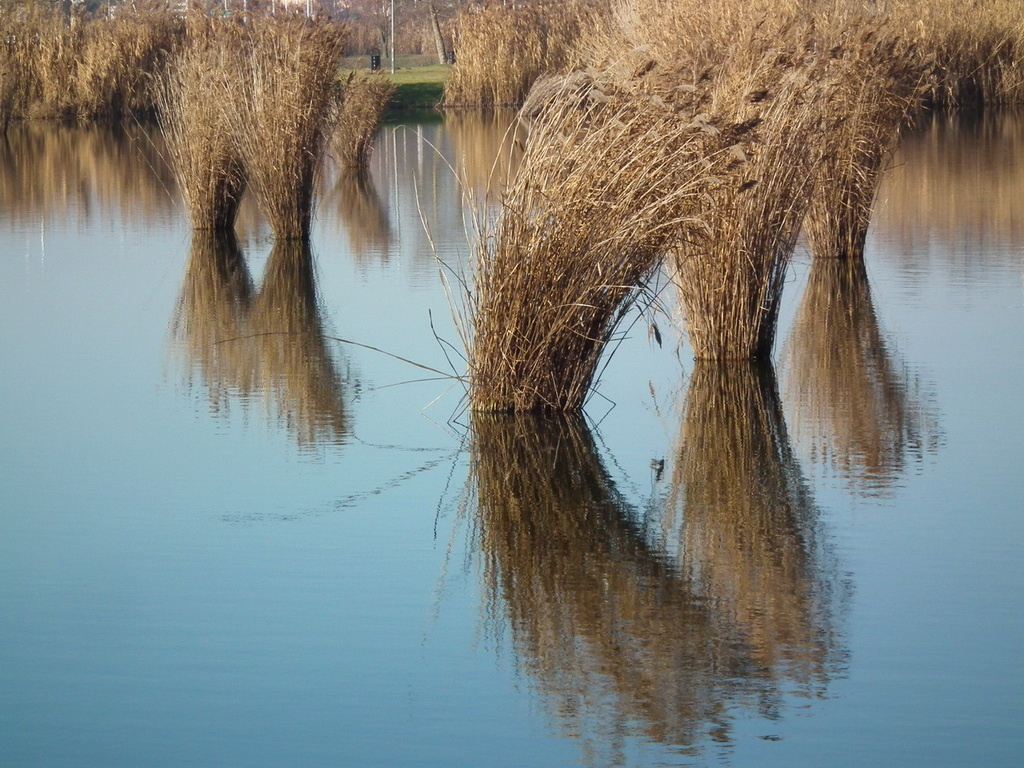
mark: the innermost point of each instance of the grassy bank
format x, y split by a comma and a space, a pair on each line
419, 81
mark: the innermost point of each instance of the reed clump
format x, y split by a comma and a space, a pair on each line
80, 66
878, 89
364, 100
281, 104
730, 276
974, 52
607, 177
502, 49
199, 129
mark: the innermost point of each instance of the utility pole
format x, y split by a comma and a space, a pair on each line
392, 37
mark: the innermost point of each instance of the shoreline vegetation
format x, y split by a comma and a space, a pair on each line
699, 139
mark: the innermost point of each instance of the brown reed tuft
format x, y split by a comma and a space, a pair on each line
731, 275
877, 90
281, 105
606, 178
198, 127
363, 103
501, 49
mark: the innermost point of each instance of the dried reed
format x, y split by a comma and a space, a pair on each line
856, 406
281, 106
198, 128
363, 102
605, 179
730, 276
877, 88
502, 49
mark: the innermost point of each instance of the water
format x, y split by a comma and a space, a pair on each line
280, 549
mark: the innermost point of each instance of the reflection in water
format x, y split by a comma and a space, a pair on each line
488, 149
749, 526
958, 180
214, 303
623, 638
53, 171
354, 198
269, 346
856, 408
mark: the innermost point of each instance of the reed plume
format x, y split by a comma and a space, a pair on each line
856, 407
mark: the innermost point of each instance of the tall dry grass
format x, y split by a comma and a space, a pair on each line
198, 127
974, 51
857, 408
878, 89
281, 104
80, 66
600, 613
607, 177
363, 103
730, 276
501, 49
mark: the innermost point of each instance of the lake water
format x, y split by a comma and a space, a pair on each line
229, 538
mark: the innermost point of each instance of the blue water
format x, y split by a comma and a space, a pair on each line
249, 552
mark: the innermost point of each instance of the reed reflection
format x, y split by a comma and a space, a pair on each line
488, 149
751, 544
264, 346
56, 171
624, 637
855, 407
355, 200
957, 182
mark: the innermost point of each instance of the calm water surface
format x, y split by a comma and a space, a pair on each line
229, 538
